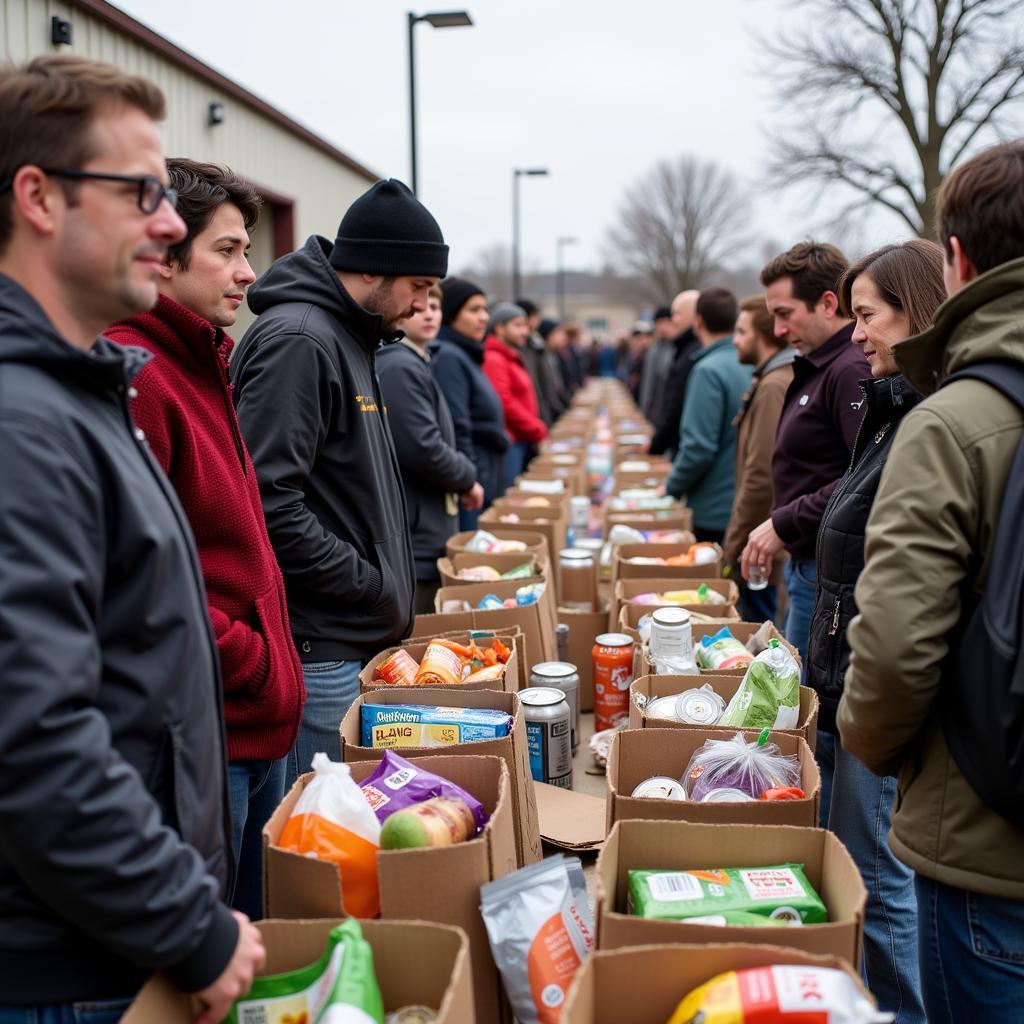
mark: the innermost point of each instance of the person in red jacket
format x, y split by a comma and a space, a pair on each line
183, 406
503, 364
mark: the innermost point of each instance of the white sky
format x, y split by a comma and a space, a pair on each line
594, 90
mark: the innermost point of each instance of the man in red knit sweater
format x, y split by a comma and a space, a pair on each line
184, 406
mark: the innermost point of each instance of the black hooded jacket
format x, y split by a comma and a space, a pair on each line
114, 835
310, 408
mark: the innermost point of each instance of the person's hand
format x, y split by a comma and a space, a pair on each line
235, 982
473, 498
763, 545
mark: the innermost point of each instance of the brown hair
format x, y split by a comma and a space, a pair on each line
434, 292
201, 189
47, 110
762, 321
907, 276
573, 331
982, 204
814, 267
717, 308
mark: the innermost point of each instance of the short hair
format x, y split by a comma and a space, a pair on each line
717, 308
761, 320
528, 307
47, 111
907, 276
434, 292
982, 204
201, 189
813, 267
573, 331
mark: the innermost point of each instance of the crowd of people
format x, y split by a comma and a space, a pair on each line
203, 542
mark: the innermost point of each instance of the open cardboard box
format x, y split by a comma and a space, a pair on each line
644, 985
512, 749
531, 522
627, 589
634, 757
631, 614
688, 846
623, 569
416, 964
440, 884
448, 568
535, 541
583, 629
514, 499
650, 519
508, 635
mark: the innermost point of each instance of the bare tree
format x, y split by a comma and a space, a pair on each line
491, 269
885, 96
677, 224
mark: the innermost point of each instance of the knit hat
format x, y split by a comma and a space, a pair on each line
456, 294
546, 326
505, 311
663, 313
388, 231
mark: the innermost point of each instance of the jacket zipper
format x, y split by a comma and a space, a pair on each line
227, 389
835, 617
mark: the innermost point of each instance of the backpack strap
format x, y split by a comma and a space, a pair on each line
1006, 376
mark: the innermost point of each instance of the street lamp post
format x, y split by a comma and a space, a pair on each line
436, 19
560, 272
517, 173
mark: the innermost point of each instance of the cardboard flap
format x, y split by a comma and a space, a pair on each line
573, 821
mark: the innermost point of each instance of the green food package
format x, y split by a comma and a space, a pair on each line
769, 696
340, 988
779, 892
520, 572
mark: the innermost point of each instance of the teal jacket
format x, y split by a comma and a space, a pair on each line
704, 472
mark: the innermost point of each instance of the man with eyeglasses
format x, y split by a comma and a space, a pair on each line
115, 853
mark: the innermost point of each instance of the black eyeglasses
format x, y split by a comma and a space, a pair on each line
151, 190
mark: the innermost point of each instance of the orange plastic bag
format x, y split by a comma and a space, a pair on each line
333, 821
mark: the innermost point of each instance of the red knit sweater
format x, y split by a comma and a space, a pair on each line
184, 407
512, 381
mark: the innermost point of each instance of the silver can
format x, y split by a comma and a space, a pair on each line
562, 675
548, 735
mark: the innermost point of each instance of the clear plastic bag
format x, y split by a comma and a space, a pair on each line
769, 696
742, 766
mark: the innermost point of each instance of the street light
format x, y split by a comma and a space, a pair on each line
560, 273
517, 173
436, 19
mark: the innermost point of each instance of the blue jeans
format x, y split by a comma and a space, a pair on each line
515, 461
331, 687
756, 605
86, 1011
972, 955
859, 813
256, 788
802, 584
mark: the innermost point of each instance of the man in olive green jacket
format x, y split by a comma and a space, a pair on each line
930, 536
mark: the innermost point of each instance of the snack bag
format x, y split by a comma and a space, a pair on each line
333, 821
776, 995
440, 666
340, 988
769, 695
752, 767
722, 651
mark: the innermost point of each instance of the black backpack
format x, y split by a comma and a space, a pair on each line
983, 686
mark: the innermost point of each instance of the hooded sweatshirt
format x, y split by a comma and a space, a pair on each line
311, 412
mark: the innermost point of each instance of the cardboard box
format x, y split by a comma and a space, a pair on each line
536, 542
583, 628
501, 561
531, 522
681, 519
646, 984
440, 884
514, 499
570, 820
634, 757
416, 964
623, 569
631, 614
511, 749
627, 589
684, 845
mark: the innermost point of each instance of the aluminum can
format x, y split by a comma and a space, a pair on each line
548, 734
699, 707
613, 672
660, 787
562, 675
577, 575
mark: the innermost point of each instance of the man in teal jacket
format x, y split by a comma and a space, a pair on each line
704, 472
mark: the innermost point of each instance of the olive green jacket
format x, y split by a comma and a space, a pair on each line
930, 534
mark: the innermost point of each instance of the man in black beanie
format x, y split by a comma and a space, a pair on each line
310, 409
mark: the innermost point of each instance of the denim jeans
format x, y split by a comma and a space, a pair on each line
331, 687
859, 813
86, 1011
515, 461
972, 955
256, 788
802, 584
756, 605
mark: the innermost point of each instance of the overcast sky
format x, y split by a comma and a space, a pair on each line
594, 90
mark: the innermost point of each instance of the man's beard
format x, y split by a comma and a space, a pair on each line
380, 301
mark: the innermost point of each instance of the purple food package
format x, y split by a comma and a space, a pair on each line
398, 784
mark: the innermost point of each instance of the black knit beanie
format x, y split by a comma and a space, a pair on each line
388, 231
456, 294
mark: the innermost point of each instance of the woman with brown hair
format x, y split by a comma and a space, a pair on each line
892, 294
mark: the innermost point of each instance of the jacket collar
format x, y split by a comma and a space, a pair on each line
831, 349
473, 349
717, 346
495, 344
782, 358
174, 326
889, 397
424, 354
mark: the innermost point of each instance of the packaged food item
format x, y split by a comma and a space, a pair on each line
748, 766
783, 793
769, 696
660, 787
540, 930
530, 594
397, 784
398, 670
721, 650
340, 988
613, 672
779, 994
412, 1015
519, 572
672, 641
486, 674
489, 602
439, 821
479, 574
441, 666
420, 725
699, 706
780, 892
703, 553
486, 543
332, 821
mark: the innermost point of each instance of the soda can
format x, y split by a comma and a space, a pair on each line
660, 787
613, 672
562, 675
548, 735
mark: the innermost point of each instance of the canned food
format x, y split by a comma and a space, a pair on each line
613, 672
660, 787
398, 670
440, 666
577, 580
579, 513
548, 734
662, 708
727, 796
562, 675
672, 635
701, 706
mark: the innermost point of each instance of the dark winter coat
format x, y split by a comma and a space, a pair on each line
311, 412
114, 835
666, 434
546, 384
433, 470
